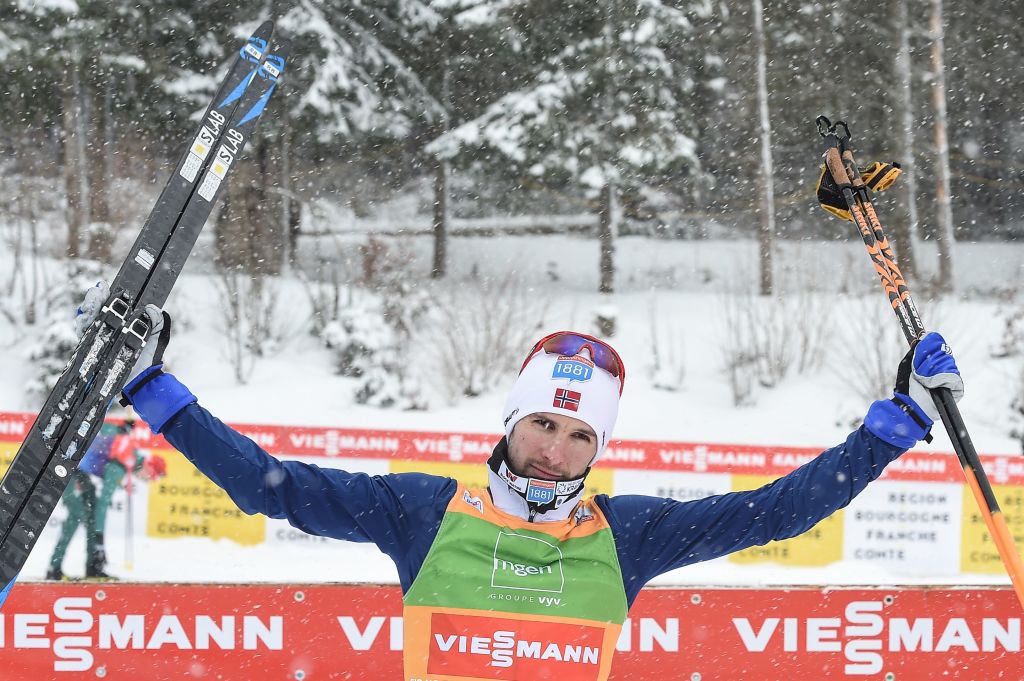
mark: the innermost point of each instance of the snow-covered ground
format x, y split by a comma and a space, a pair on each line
677, 288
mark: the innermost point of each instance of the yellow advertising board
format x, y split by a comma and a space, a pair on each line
977, 550
187, 504
7, 452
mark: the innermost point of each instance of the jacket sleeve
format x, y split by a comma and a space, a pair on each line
400, 513
654, 535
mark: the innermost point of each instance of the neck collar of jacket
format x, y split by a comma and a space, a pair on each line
530, 498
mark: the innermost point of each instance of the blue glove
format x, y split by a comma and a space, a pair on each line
909, 415
929, 365
156, 397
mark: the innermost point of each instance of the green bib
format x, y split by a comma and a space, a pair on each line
498, 597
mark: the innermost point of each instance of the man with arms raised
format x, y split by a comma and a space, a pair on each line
527, 578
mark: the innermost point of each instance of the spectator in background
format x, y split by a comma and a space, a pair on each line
110, 459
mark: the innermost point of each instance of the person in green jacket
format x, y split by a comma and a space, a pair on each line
109, 459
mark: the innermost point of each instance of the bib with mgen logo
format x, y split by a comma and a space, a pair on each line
498, 597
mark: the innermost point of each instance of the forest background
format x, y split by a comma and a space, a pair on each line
677, 119
449, 177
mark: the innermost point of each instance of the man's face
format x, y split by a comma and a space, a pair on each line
551, 447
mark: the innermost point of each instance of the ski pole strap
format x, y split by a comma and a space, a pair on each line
878, 177
910, 408
830, 195
133, 386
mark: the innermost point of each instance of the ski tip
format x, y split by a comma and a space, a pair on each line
7, 590
255, 48
265, 30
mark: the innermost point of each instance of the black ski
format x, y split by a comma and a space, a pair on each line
74, 411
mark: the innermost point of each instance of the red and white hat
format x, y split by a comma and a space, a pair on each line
569, 385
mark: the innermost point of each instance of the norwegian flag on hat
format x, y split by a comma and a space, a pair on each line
567, 399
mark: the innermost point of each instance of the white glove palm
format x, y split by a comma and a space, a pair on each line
159, 321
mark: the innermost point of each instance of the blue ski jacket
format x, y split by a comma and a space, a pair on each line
401, 513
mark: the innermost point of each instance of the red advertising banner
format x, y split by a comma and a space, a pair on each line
251, 633
683, 457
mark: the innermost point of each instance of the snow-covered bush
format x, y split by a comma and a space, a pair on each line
30, 215
1017, 408
355, 337
324, 297
606, 320
49, 354
250, 323
368, 347
766, 337
759, 343
476, 337
1011, 342
869, 344
371, 340
389, 383
51, 349
327, 279
667, 370
1010, 346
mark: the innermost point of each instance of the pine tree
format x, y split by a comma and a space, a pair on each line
350, 88
605, 112
75, 66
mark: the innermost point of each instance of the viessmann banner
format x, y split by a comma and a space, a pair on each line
918, 520
308, 633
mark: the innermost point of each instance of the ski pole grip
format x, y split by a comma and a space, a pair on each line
834, 162
852, 169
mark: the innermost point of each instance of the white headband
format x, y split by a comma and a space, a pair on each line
570, 386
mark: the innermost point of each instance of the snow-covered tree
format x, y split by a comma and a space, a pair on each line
348, 88
350, 75
606, 110
75, 65
50, 351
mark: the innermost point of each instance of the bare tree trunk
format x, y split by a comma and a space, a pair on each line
607, 228
225, 241
944, 236
76, 187
33, 286
249, 234
99, 146
442, 174
289, 206
766, 231
265, 235
904, 234
441, 217
273, 233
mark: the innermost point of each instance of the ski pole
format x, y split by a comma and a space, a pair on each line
129, 523
840, 162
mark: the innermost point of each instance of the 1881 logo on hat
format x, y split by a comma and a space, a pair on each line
573, 368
